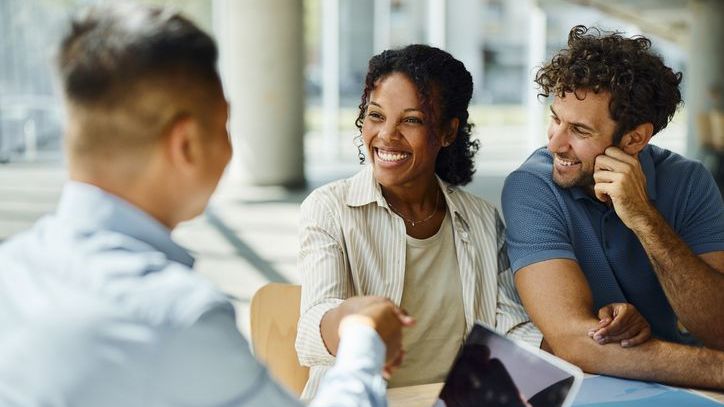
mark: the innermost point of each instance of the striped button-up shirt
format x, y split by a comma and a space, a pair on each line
351, 243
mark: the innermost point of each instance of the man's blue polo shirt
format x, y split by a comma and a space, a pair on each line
545, 221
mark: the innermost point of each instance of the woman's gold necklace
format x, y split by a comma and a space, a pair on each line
414, 222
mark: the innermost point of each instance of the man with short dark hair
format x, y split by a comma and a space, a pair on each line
604, 217
98, 306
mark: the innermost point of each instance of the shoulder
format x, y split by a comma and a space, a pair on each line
673, 167
328, 195
174, 296
680, 179
128, 274
532, 178
333, 199
536, 169
472, 204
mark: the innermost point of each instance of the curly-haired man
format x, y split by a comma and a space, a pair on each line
601, 217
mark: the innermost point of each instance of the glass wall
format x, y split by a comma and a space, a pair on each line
500, 41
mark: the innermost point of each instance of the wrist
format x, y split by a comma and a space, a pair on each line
645, 220
355, 320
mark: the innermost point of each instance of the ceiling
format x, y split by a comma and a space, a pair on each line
668, 19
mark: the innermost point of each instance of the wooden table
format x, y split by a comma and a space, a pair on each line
424, 395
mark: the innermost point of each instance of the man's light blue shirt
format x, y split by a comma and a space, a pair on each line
99, 307
545, 221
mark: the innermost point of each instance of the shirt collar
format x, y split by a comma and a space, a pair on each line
647, 166
93, 208
365, 190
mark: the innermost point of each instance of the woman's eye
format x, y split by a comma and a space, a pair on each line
374, 115
413, 120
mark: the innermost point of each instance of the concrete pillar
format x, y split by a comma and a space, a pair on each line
436, 22
382, 25
705, 69
262, 50
536, 56
463, 37
330, 77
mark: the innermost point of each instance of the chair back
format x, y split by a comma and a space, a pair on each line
274, 317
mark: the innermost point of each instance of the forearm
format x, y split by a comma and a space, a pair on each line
692, 286
329, 328
654, 360
310, 346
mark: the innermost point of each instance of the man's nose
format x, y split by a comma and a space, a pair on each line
558, 139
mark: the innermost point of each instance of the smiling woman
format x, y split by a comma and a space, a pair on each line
401, 228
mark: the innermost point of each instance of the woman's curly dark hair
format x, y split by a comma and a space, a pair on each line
643, 89
444, 87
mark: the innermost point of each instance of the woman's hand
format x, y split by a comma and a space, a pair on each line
622, 323
385, 317
388, 320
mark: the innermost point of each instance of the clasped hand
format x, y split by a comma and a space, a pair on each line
622, 323
387, 319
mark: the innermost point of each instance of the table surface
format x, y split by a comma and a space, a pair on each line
424, 395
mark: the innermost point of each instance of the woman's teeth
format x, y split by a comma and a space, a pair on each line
391, 156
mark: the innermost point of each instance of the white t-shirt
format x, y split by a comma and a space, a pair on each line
432, 293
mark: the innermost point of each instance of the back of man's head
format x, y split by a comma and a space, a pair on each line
128, 72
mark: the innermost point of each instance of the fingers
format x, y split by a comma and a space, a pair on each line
620, 322
388, 320
620, 155
405, 319
392, 365
601, 193
642, 337
605, 315
631, 332
627, 326
615, 159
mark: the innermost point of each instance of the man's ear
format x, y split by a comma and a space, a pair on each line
180, 143
450, 132
636, 139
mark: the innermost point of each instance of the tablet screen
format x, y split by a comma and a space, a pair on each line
491, 370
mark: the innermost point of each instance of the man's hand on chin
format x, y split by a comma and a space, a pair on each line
621, 182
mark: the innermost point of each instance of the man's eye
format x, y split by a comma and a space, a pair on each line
580, 132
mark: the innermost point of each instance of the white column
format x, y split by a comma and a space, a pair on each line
261, 62
463, 37
436, 15
536, 55
382, 25
330, 77
705, 69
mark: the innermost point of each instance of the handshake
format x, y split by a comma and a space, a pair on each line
383, 316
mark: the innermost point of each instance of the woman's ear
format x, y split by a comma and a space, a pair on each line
636, 139
451, 132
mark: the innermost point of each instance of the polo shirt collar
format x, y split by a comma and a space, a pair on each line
365, 190
647, 165
95, 209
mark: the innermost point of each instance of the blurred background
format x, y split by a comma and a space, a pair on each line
293, 72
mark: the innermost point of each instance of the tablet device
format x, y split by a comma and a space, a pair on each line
492, 370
